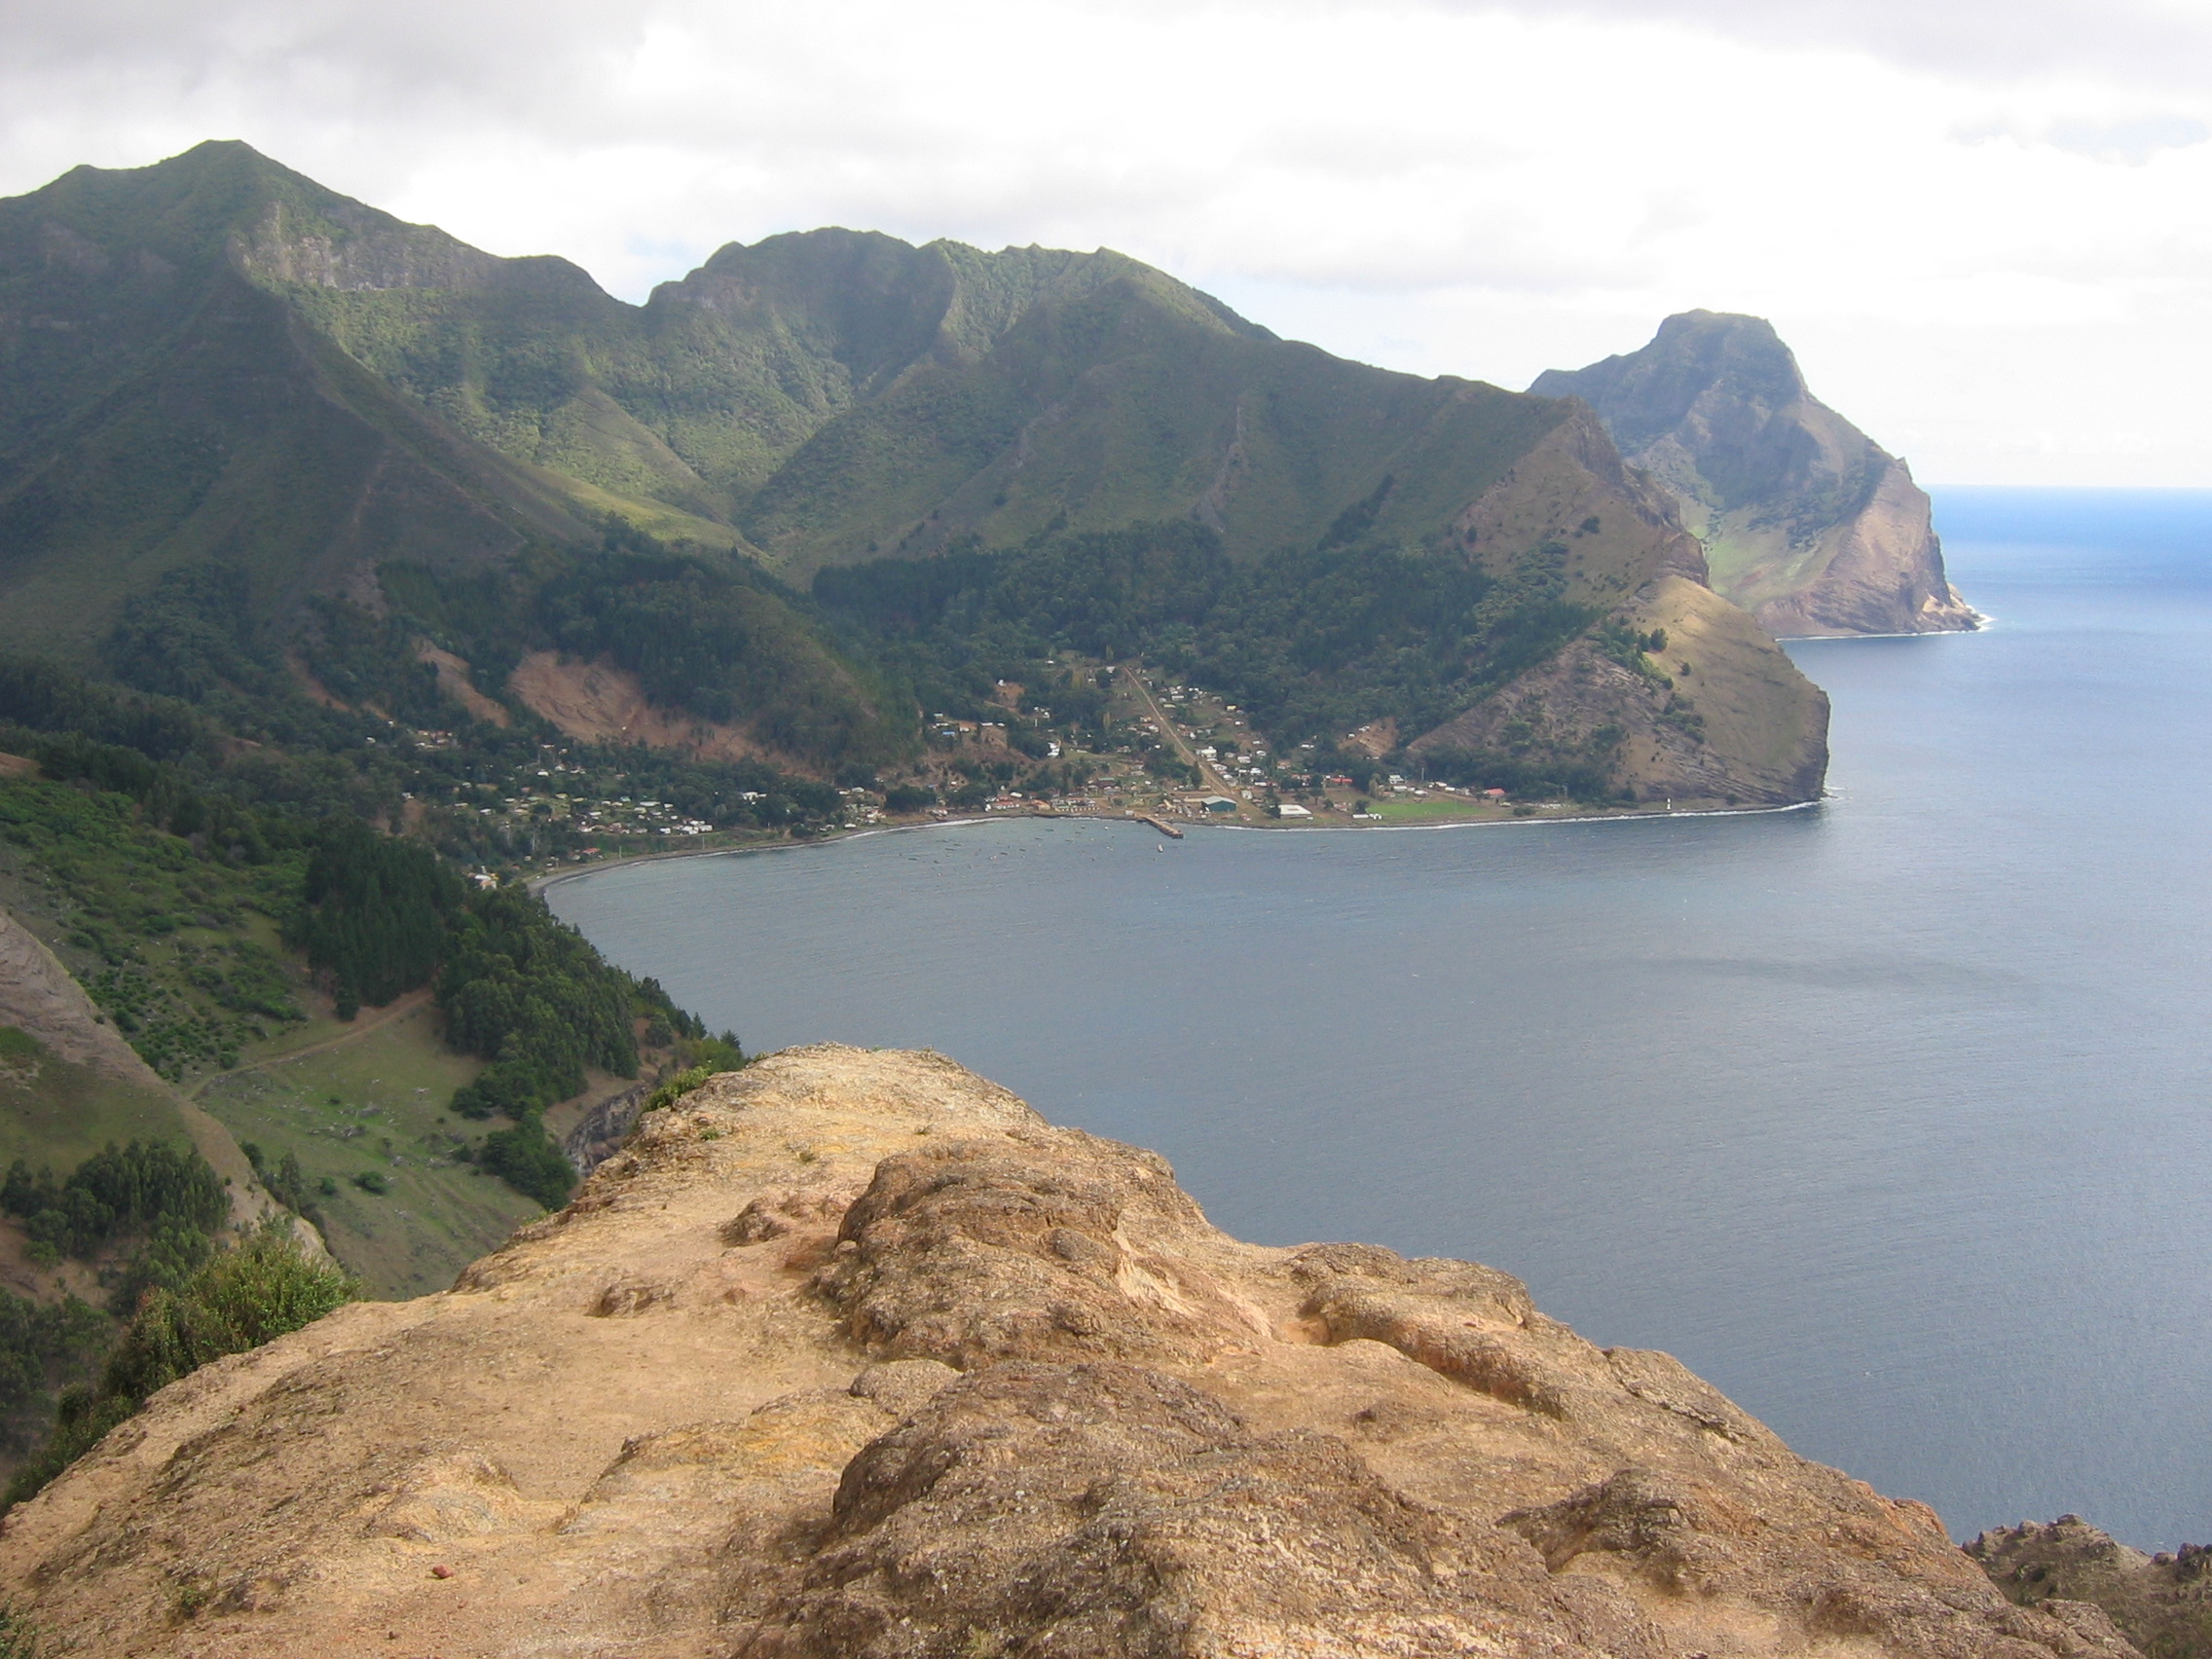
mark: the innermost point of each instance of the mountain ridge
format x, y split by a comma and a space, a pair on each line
313, 392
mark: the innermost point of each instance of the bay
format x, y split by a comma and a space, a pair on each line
1889, 1116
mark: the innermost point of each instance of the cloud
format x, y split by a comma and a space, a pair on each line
2141, 43
1438, 184
2134, 140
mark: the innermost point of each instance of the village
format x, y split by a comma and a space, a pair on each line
1166, 754
1180, 753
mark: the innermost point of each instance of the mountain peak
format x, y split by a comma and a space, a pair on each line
1643, 395
1806, 521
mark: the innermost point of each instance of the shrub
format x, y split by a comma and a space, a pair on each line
172, 1253
244, 1297
676, 1088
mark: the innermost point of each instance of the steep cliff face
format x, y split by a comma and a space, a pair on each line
853, 1354
1806, 522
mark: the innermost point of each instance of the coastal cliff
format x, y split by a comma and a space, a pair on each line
852, 1353
1807, 523
1680, 695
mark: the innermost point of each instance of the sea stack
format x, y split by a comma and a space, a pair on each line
1807, 524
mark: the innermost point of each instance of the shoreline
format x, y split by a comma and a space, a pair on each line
1983, 623
539, 883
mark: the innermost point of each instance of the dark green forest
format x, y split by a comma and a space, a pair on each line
1313, 642
374, 913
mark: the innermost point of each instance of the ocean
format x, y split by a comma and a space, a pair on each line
1891, 1117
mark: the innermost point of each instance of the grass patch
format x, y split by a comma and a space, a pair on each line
378, 1107
52, 1112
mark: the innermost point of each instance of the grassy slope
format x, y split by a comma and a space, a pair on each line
331, 381
240, 407
833, 389
104, 892
1754, 560
163, 408
376, 1103
1755, 705
180, 951
1139, 400
57, 1114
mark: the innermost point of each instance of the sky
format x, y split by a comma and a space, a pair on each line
1984, 224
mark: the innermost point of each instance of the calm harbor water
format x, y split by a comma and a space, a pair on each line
1889, 1117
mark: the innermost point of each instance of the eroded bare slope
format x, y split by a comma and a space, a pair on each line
853, 1354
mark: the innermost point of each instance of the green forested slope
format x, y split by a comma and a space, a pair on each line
161, 408
370, 439
820, 391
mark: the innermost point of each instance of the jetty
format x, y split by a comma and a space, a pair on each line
1043, 810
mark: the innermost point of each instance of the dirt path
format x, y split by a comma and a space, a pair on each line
397, 1009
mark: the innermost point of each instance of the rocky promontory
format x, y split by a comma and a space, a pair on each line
853, 1354
1807, 523
2162, 1602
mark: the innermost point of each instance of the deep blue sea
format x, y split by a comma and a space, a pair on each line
1891, 1117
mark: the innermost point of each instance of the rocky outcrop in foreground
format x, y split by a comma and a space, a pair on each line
2162, 1602
1807, 524
852, 1354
